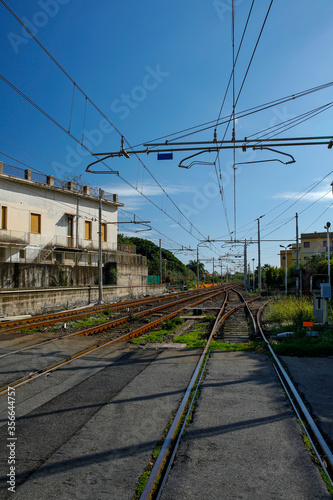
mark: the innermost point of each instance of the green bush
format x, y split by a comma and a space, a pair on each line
290, 310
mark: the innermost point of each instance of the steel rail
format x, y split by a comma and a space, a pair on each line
246, 302
293, 394
134, 333
167, 444
96, 329
109, 324
42, 320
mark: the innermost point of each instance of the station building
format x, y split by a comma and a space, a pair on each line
49, 230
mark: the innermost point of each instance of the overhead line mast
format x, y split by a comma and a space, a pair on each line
233, 108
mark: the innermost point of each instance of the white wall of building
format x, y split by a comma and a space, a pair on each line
54, 206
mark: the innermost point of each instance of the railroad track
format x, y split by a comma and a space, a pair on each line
162, 466
40, 321
106, 327
318, 442
237, 325
233, 303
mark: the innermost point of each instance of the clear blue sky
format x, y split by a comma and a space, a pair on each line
156, 68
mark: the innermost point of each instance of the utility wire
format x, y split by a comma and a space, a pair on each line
26, 151
254, 51
242, 114
104, 116
85, 147
318, 217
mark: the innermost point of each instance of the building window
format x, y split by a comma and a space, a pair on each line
35, 223
325, 244
59, 257
306, 244
2, 254
104, 232
283, 258
3, 218
22, 254
87, 230
70, 240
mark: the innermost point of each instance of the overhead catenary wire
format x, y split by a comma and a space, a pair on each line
318, 217
86, 213
28, 152
241, 114
276, 220
76, 86
254, 51
22, 94
129, 184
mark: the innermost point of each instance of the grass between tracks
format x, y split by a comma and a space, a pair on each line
287, 315
79, 324
194, 339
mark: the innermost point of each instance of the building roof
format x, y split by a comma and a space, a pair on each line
309, 236
48, 182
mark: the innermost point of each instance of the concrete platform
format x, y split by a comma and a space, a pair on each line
314, 379
94, 440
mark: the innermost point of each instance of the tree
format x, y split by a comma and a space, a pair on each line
175, 268
192, 265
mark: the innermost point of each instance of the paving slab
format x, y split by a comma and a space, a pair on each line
105, 456
244, 441
314, 379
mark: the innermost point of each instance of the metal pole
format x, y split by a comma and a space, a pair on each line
328, 254
245, 266
161, 277
328, 225
286, 273
198, 265
259, 268
213, 272
253, 275
100, 263
221, 272
297, 258
77, 222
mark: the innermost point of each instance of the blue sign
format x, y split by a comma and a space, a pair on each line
165, 156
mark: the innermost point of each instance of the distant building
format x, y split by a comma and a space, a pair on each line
314, 243
310, 244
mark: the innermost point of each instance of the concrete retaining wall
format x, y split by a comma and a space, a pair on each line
131, 270
38, 301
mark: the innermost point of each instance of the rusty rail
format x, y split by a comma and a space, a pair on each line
49, 319
134, 333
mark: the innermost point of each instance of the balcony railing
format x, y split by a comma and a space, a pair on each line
13, 237
81, 244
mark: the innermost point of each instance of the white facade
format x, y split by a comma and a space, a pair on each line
41, 222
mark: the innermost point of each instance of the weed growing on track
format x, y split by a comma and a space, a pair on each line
194, 339
308, 446
153, 337
142, 483
158, 336
197, 340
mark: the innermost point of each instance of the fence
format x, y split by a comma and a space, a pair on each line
153, 280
